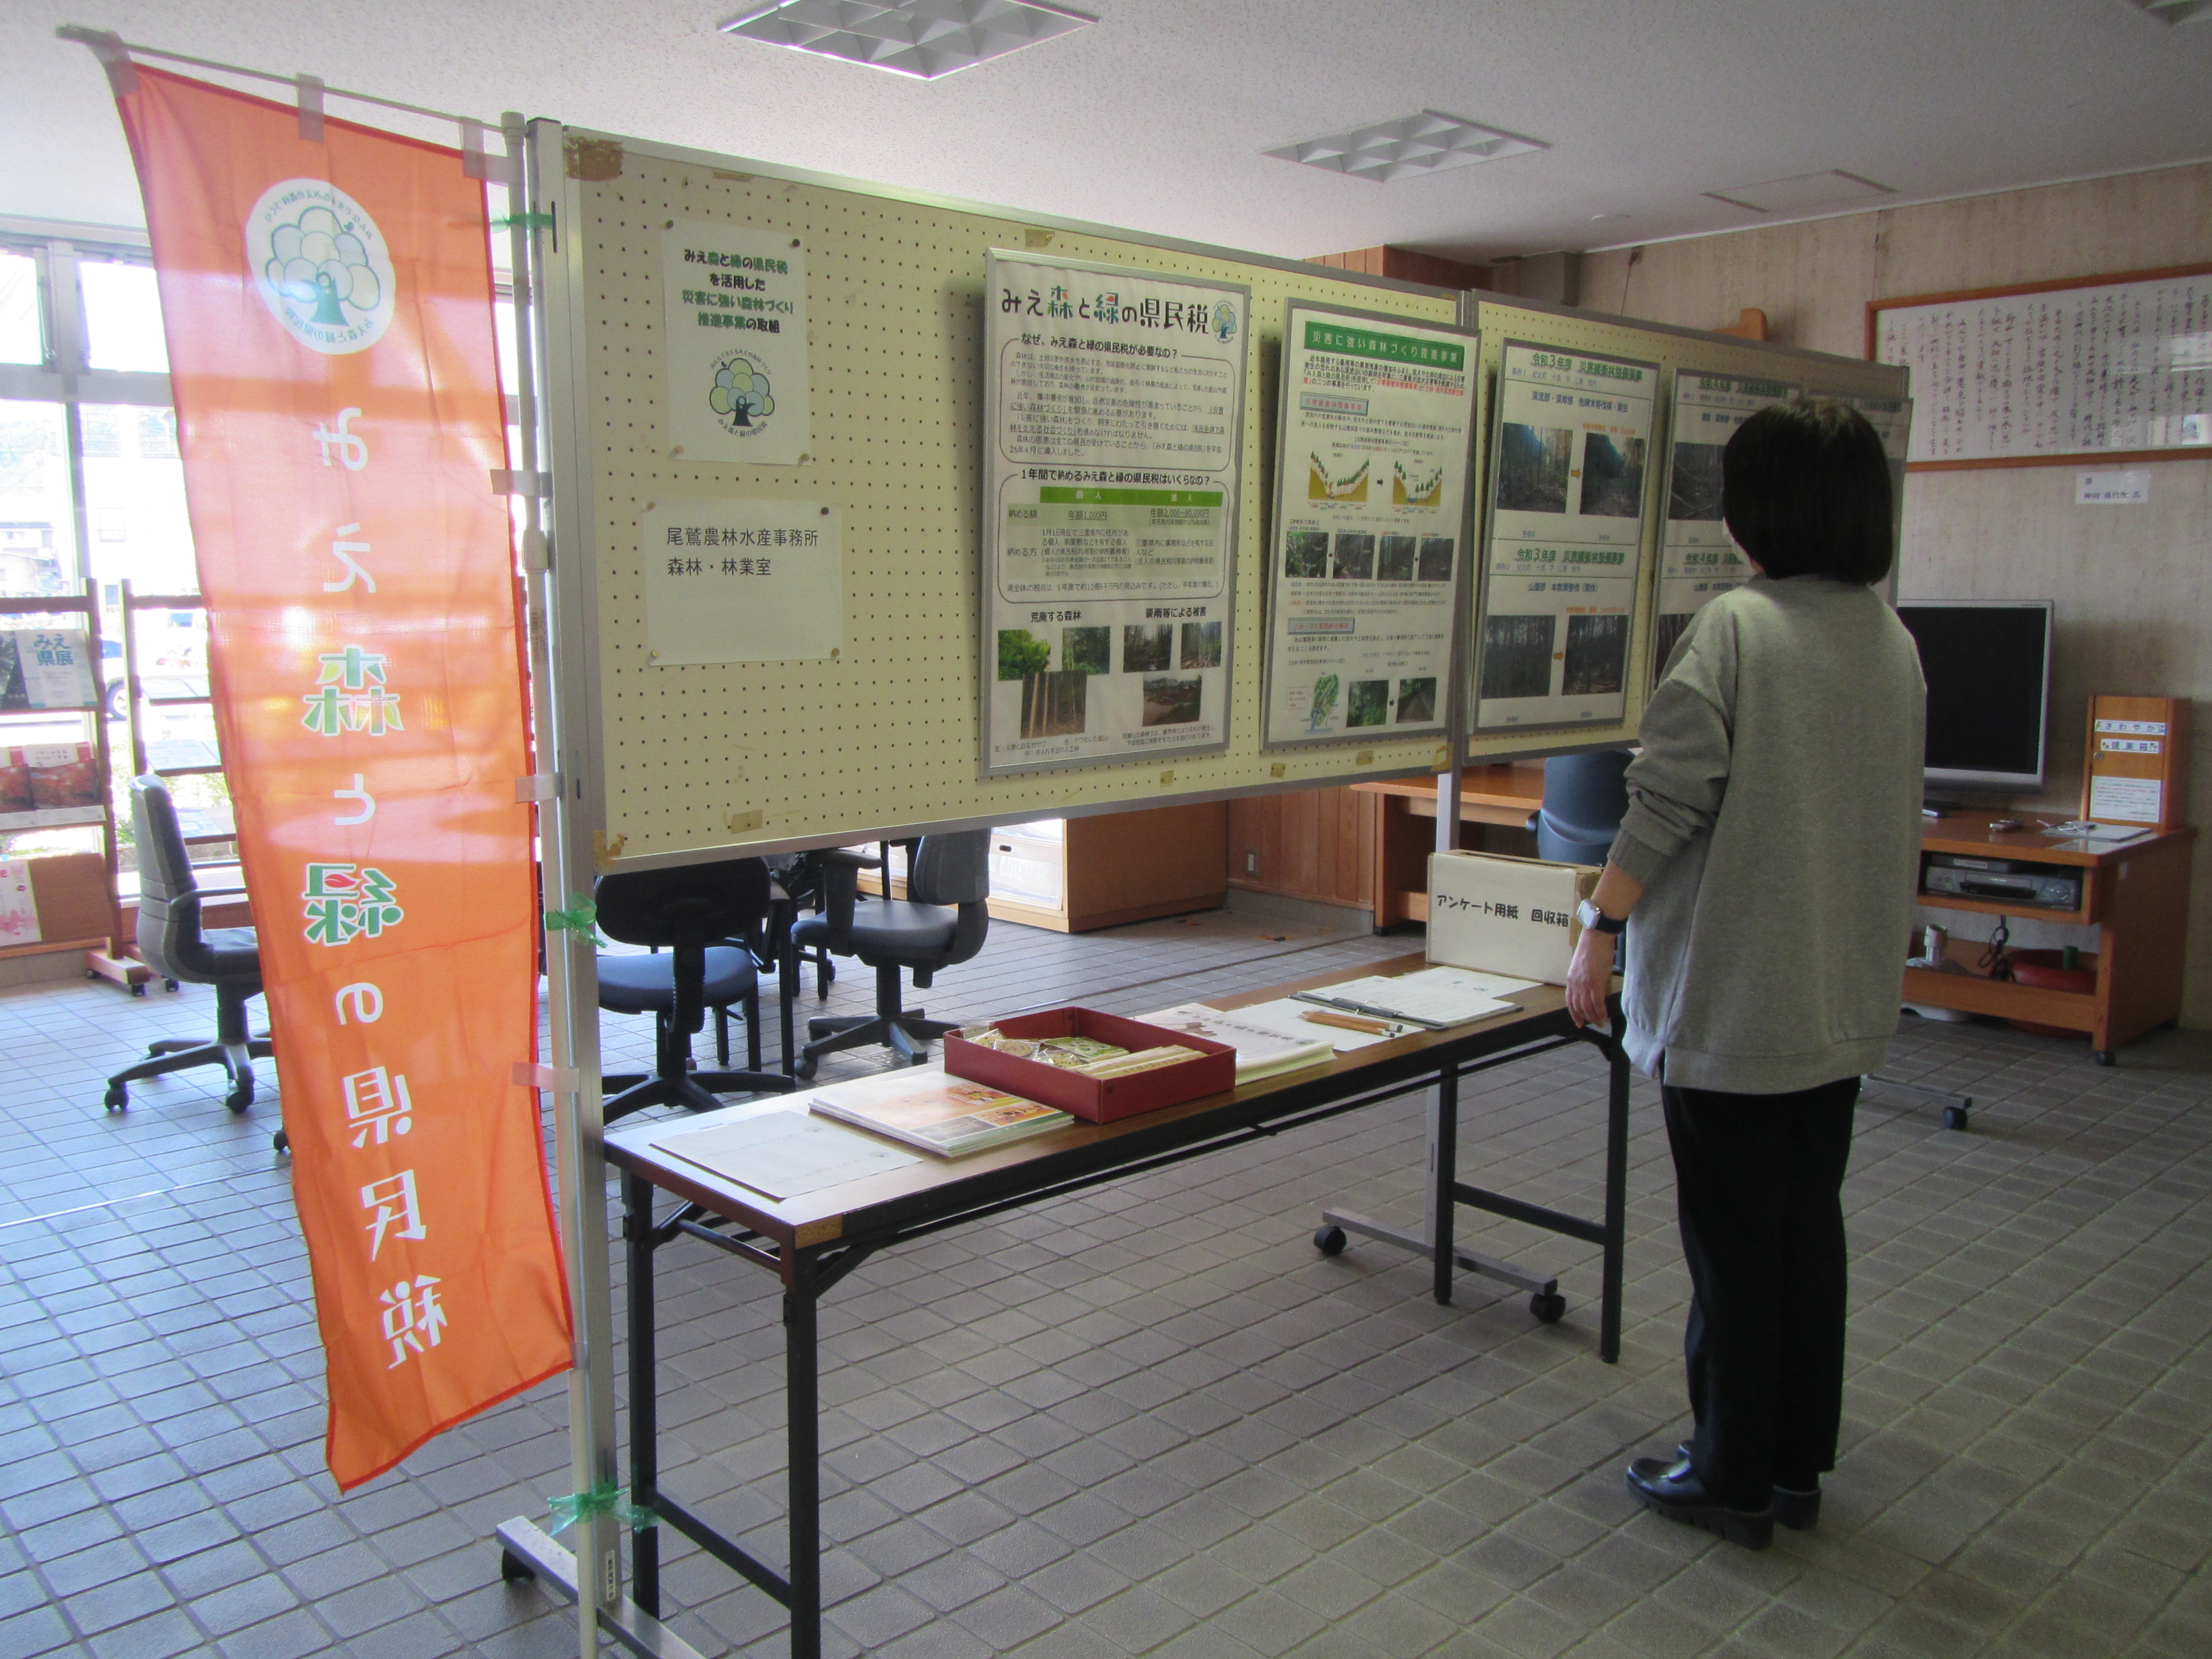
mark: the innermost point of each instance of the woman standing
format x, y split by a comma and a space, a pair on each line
1768, 855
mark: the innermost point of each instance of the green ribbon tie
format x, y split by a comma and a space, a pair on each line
605, 1498
581, 916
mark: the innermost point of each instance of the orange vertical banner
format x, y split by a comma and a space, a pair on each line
329, 308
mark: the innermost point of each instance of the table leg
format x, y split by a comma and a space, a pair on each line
1616, 1197
644, 1417
803, 1435
1443, 1177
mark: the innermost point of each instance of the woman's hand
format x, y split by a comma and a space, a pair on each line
1589, 978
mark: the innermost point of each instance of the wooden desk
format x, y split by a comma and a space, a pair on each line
813, 1241
2136, 895
1406, 828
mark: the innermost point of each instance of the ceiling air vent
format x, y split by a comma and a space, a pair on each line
921, 38
1427, 142
1802, 192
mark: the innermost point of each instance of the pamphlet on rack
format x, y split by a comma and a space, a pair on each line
785, 1154
947, 1115
1261, 1051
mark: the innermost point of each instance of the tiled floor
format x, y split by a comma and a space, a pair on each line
1151, 1420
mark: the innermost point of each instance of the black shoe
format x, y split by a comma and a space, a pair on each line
1800, 1512
1673, 1489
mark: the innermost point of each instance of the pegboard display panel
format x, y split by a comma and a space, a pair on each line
1674, 350
684, 760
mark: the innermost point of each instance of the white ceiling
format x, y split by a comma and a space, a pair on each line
1155, 119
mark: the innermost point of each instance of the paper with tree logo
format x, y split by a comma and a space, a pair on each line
1115, 419
736, 352
1371, 498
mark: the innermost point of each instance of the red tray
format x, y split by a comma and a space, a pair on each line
1095, 1100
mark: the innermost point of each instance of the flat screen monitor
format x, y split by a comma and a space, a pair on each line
1988, 666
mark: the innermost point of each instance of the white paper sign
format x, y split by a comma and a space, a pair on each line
2128, 800
735, 314
736, 580
2129, 489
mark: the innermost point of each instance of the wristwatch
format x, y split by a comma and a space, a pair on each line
1597, 920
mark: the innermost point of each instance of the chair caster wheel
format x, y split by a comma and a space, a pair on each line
172, 985
804, 1070
239, 1099
280, 1142
513, 1569
1548, 1306
1954, 1117
1329, 1241
118, 1097
137, 990
2106, 1057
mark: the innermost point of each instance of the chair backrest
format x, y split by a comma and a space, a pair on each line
692, 904
1585, 799
168, 929
954, 869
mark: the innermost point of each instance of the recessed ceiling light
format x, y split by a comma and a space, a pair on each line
1800, 192
921, 38
2178, 11
1427, 142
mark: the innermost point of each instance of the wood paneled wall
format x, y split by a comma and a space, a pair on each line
1407, 265
1304, 843
2132, 585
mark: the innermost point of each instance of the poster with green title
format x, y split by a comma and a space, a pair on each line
1372, 464
1114, 421
1569, 487
734, 306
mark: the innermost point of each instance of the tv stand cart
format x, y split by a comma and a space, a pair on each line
2135, 894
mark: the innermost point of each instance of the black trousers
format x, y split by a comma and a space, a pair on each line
1759, 1179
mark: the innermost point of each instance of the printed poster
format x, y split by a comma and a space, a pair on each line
1569, 465
736, 350
739, 581
1697, 558
45, 668
19, 905
1892, 418
1371, 499
1115, 416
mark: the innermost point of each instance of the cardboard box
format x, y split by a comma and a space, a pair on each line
1096, 1100
1506, 916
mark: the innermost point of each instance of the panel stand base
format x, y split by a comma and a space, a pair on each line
527, 1551
1467, 1260
1955, 1106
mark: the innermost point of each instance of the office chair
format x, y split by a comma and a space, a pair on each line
1585, 799
176, 946
685, 910
941, 921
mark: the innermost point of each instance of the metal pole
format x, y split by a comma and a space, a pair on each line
803, 1434
1445, 1156
571, 974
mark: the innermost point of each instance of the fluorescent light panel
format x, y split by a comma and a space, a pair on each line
1429, 142
921, 38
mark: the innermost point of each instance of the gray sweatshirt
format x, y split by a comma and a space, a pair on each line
1774, 821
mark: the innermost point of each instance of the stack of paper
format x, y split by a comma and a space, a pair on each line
1260, 1052
1434, 996
785, 1154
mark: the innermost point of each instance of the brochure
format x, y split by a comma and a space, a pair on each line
923, 1107
1261, 1051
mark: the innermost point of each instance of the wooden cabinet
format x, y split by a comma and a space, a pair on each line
2137, 896
1316, 844
1074, 874
1404, 813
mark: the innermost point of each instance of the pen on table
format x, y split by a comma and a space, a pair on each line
1353, 1022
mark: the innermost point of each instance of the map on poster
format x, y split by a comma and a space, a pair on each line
1372, 472
1570, 455
1115, 417
1697, 558
734, 304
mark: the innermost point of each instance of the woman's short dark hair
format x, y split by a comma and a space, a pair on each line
1805, 489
